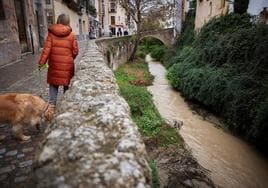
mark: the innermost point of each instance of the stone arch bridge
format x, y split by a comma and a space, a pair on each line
164, 35
117, 50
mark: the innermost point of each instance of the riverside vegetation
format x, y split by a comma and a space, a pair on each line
224, 68
171, 164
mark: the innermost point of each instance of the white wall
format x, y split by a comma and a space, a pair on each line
60, 8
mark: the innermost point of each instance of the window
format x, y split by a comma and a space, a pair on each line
112, 20
48, 2
112, 7
2, 13
222, 3
210, 5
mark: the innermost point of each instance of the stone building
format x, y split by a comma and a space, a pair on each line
207, 9
76, 9
23, 27
50, 12
94, 8
113, 18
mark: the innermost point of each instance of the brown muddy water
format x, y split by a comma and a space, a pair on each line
233, 163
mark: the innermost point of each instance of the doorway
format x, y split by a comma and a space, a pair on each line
21, 25
80, 37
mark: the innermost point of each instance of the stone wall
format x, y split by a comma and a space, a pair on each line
206, 10
9, 39
116, 50
10, 47
92, 141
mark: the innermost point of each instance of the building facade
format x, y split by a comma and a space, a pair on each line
23, 28
94, 18
113, 18
208, 9
79, 20
50, 12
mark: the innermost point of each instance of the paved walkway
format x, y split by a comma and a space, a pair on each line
16, 157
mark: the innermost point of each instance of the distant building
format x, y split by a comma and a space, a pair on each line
182, 7
259, 10
78, 16
23, 28
186, 8
94, 18
113, 18
50, 12
208, 9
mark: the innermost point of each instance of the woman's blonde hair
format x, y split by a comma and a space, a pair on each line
63, 19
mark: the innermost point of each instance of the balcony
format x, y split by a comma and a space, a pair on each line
73, 5
92, 10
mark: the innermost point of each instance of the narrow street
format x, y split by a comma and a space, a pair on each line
16, 157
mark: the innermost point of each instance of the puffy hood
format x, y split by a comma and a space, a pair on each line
60, 30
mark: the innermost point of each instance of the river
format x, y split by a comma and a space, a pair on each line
232, 161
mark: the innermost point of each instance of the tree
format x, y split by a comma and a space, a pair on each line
157, 18
137, 9
241, 6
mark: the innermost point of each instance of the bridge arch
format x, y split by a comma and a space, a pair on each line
166, 36
155, 37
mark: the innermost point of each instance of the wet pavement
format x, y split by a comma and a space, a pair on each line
17, 157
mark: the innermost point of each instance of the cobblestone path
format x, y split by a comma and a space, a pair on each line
17, 157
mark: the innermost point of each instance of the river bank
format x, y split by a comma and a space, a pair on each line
172, 164
232, 162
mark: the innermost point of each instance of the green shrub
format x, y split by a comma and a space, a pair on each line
222, 25
180, 56
155, 177
158, 52
226, 69
187, 35
143, 110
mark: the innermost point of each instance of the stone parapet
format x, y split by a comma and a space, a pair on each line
116, 50
92, 141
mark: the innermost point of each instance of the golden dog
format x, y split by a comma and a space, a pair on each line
23, 110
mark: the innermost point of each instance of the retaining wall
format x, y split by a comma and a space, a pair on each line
92, 141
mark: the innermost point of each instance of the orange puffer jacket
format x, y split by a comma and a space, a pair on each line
60, 49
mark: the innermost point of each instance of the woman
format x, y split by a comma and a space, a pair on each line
60, 50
